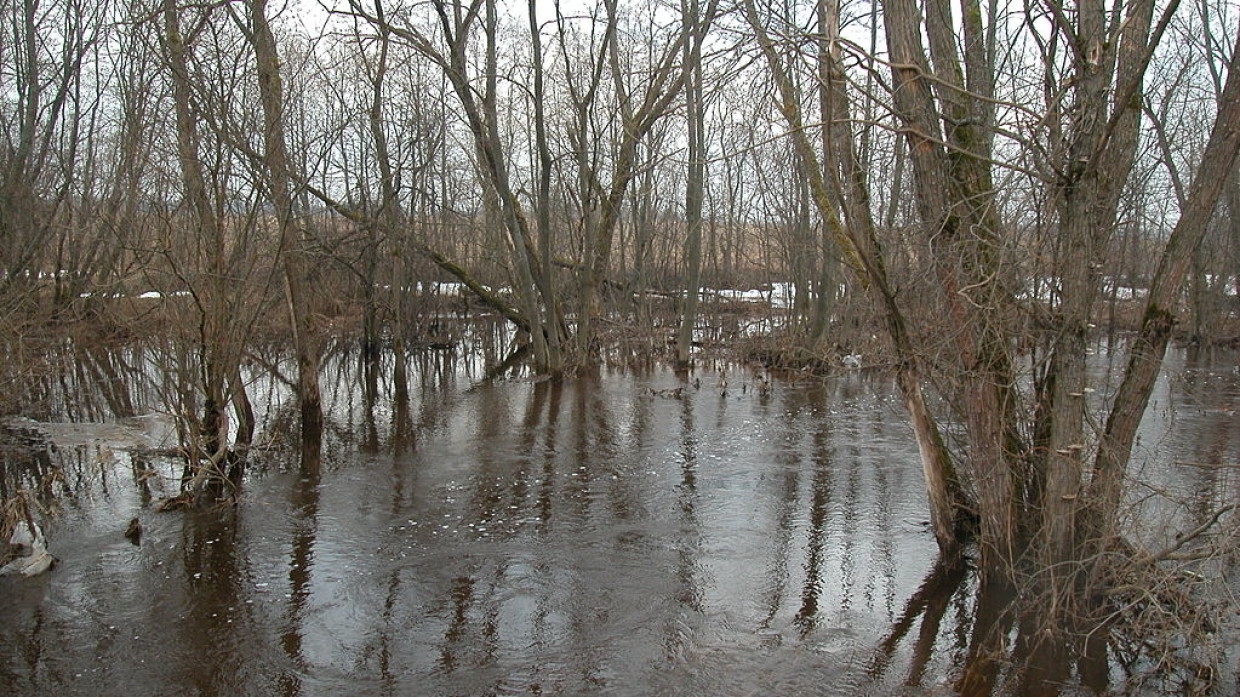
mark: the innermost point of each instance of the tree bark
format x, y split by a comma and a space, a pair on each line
219, 336
294, 242
694, 188
949, 509
1100, 153
1148, 347
955, 202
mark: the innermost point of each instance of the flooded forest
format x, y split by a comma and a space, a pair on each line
619, 347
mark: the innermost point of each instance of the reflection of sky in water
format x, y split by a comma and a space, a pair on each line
1188, 453
659, 529
600, 537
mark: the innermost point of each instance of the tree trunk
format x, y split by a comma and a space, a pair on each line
218, 336
695, 117
948, 506
552, 319
294, 242
1148, 347
1100, 156
955, 204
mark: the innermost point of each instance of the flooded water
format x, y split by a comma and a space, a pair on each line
625, 532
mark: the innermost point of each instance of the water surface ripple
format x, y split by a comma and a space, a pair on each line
603, 535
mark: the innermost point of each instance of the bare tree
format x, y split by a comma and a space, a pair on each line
210, 269
842, 180
694, 188
294, 240
1147, 349
45, 54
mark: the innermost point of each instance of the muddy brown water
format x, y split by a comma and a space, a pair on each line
598, 536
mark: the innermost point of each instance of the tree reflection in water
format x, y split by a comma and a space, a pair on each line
618, 532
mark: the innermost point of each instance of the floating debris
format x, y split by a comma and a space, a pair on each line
133, 533
27, 551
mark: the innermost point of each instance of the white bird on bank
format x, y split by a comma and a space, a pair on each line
851, 360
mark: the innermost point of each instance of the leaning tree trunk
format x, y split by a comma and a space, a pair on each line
1148, 347
955, 202
862, 252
